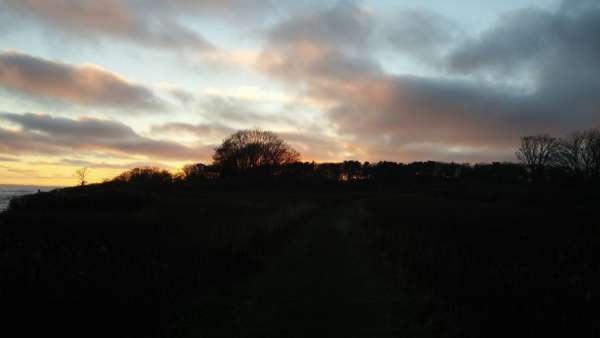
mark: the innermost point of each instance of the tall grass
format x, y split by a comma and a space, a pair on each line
492, 269
135, 266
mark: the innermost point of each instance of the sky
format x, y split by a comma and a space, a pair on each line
117, 84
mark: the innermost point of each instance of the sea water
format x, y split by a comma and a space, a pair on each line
7, 192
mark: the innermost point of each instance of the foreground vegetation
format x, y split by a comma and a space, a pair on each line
422, 259
492, 269
128, 259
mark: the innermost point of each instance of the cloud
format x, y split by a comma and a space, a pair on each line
9, 159
200, 131
151, 23
458, 114
556, 52
319, 44
316, 146
345, 25
44, 134
219, 8
87, 85
241, 112
514, 44
237, 107
542, 45
403, 114
105, 165
131, 20
420, 34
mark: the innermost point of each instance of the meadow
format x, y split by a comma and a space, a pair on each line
120, 261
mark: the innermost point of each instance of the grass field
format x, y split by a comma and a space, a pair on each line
276, 264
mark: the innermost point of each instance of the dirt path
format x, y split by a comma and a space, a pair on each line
320, 286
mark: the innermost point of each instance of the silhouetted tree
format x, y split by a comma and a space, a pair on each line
329, 171
367, 170
571, 154
538, 152
145, 176
82, 175
198, 172
387, 172
351, 170
299, 171
251, 149
592, 154
190, 170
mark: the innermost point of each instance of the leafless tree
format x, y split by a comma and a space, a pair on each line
580, 153
249, 149
591, 153
571, 153
538, 152
82, 175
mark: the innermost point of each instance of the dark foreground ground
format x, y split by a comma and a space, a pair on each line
125, 263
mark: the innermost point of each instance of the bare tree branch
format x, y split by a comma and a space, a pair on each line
538, 152
82, 175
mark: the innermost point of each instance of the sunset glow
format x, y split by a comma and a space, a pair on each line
112, 85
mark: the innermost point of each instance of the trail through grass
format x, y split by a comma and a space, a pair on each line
321, 285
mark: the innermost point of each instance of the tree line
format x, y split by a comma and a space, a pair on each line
576, 156
256, 156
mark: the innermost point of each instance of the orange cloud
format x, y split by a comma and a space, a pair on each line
48, 135
88, 85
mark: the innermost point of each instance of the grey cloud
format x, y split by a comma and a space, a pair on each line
314, 146
346, 25
421, 34
570, 7
314, 63
14, 142
104, 165
558, 51
516, 43
198, 130
223, 110
426, 151
9, 159
43, 134
537, 42
223, 8
399, 116
237, 111
168, 33
318, 45
127, 20
85, 85
414, 109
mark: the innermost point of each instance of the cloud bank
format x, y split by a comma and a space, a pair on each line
534, 71
134, 21
48, 135
87, 85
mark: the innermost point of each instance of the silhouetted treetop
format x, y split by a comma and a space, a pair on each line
576, 156
250, 149
580, 153
538, 152
146, 176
